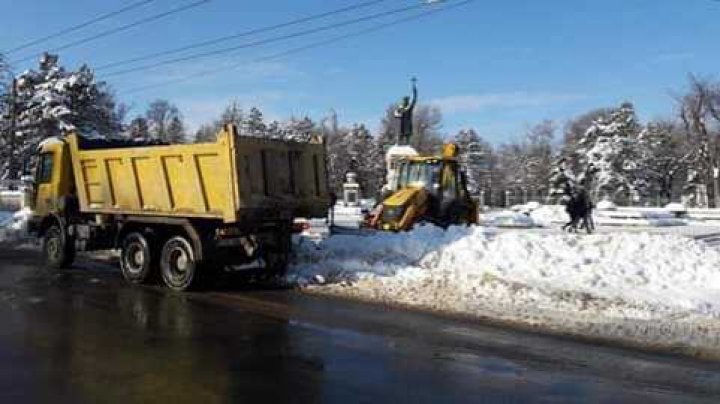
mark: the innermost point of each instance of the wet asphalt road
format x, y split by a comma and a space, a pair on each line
83, 336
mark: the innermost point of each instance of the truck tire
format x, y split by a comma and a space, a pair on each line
136, 259
178, 266
58, 250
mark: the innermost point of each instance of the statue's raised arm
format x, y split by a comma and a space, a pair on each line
404, 114
415, 94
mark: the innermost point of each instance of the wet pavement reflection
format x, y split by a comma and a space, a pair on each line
82, 336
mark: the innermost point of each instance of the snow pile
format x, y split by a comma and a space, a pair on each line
508, 219
549, 215
637, 217
676, 208
546, 215
611, 285
13, 226
348, 216
11, 200
606, 205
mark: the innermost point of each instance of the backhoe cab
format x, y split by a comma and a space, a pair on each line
432, 189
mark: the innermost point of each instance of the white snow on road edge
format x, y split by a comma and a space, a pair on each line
13, 226
659, 289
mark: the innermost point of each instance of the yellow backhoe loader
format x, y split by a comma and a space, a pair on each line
427, 188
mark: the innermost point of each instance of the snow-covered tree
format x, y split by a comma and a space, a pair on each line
663, 158
274, 130
51, 101
475, 156
355, 150
700, 114
562, 180
607, 158
253, 124
299, 130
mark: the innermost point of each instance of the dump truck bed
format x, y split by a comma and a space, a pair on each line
234, 179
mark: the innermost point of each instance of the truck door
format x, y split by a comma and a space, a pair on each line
44, 190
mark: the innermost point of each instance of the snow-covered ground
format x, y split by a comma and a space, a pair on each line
348, 216
638, 287
13, 226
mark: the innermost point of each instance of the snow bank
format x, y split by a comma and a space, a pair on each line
348, 216
606, 205
508, 219
13, 226
649, 288
546, 215
637, 217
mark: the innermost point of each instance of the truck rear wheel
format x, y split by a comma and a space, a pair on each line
178, 264
136, 259
58, 250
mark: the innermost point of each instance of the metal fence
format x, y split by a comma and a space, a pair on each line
504, 198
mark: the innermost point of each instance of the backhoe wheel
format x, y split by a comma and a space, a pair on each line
136, 259
58, 250
178, 265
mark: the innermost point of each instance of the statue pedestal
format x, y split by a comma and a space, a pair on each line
393, 154
351, 190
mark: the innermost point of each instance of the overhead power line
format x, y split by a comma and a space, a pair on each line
74, 28
251, 32
270, 40
447, 6
119, 29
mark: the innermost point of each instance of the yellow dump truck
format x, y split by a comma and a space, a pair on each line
178, 211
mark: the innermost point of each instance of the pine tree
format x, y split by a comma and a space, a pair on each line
663, 157
355, 150
52, 101
253, 124
607, 156
299, 130
475, 154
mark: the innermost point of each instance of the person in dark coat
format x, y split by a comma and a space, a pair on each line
579, 207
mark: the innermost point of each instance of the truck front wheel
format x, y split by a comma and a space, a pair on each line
136, 259
58, 250
178, 265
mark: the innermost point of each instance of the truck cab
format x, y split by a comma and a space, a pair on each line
53, 178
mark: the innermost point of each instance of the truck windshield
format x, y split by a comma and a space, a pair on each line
419, 174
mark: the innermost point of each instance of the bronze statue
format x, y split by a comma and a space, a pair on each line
404, 113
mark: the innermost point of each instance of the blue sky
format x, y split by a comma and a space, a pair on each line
497, 66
